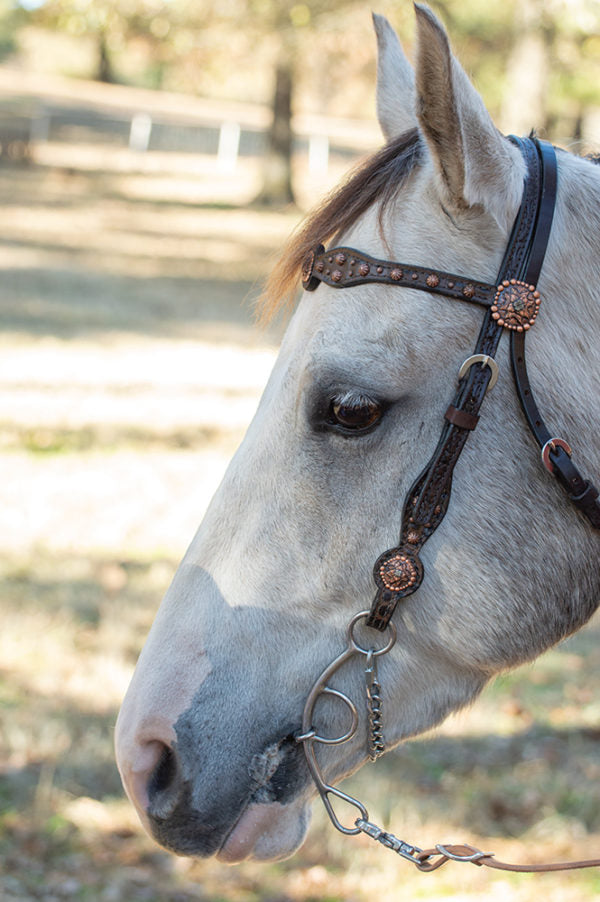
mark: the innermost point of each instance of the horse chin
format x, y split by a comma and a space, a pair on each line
267, 832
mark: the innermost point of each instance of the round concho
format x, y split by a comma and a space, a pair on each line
516, 305
399, 570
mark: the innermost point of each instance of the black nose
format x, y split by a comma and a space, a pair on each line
175, 819
192, 815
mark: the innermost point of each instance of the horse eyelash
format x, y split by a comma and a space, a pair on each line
353, 399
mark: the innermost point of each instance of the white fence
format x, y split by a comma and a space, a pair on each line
33, 113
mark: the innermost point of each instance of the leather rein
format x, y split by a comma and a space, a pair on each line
512, 304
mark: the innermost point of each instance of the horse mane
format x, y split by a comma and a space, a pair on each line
376, 178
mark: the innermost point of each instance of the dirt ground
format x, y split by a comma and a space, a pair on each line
129, 369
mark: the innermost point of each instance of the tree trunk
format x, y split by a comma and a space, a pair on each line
105, 70
526, 83
277, 178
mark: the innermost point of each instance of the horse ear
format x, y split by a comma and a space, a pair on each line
395, 82
475, 163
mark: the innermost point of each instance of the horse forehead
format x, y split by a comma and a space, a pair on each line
348, 338
363, 324
357, 331
351, 318
416, 228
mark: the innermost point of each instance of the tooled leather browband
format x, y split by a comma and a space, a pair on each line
512, 304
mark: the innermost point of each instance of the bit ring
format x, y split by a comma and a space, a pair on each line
370, 652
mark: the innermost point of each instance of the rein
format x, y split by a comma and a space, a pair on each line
512, 304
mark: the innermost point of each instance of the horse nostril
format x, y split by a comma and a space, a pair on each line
163, 774
164, 784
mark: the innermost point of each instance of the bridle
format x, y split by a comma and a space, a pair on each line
512, 304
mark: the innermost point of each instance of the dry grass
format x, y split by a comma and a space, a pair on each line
127, 373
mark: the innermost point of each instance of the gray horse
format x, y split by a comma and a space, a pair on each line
284, 556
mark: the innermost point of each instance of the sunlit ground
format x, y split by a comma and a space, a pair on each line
129, 368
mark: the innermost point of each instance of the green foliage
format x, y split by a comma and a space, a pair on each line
12, 17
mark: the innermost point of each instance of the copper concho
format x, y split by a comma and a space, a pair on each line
399, 572
516, 305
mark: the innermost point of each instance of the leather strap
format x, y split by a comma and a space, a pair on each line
345, 267
512, 304
582, 493
431, 859
399, 571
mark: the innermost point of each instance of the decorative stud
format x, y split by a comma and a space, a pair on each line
398, 573
432, 280
380, 269
320, 266
352, 262
336, 276
330, 259
364, 269
340, 258
450, 284
396, 275
516, 305
415, 276
469, 291
412, 537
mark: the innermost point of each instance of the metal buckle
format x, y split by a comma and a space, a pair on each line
551, 445
484, 360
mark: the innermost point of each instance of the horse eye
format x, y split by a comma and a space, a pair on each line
356, 414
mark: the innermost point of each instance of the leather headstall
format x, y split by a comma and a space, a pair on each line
512, 304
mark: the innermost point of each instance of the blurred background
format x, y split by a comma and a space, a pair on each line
153, 158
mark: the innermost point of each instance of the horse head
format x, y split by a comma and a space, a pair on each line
206, 738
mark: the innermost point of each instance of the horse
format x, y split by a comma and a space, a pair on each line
209, 737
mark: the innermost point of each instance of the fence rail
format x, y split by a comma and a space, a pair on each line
28, 118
